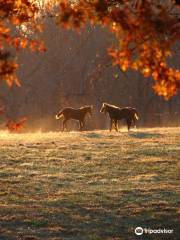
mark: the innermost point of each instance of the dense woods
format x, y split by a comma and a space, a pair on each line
77, 68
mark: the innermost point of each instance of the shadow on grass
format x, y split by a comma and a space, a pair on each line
93, 135
142, 135
109, 219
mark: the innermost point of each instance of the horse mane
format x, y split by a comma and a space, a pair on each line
86, 106
110, 105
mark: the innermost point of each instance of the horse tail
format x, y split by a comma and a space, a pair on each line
59, 115
136, 115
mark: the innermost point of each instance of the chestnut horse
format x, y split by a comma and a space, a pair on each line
76, 114
129, 114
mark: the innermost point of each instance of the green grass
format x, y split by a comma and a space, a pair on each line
90, 185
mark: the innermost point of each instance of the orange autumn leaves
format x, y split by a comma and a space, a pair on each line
146, 31
13, 14
16, 126
12, 125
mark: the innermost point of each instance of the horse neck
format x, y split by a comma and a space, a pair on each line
109, 109
85, 111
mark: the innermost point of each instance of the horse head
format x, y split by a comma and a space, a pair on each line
89, 110
59, 115
103, 108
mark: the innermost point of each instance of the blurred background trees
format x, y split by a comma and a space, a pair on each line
76, 69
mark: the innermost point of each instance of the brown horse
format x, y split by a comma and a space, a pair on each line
76, 114
129, 114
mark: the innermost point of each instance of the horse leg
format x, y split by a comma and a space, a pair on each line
134, 122
128, 124
80, 125
83, 123
64, 125
111, 123
115, 125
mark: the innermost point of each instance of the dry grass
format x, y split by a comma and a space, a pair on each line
89, 186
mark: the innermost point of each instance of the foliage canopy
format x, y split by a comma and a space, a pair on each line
146, 31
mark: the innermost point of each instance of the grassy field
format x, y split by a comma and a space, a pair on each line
90, 185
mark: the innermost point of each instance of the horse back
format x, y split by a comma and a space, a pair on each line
122, 113
72, 113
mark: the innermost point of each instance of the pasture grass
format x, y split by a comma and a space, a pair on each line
89, 186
